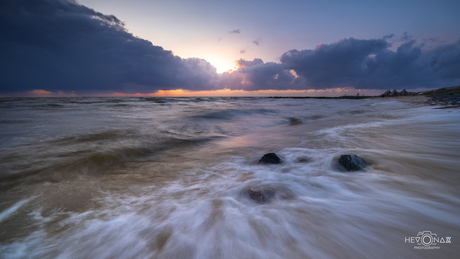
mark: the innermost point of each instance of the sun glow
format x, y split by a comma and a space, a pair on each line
221, 58
221, 65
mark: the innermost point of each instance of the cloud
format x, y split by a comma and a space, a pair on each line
390, 36
257, 41
445, 61
406, 36
242, 51
60, 46
39, 92
369, 64
355, 63
257, 75
245, 63
63, 46
237, 31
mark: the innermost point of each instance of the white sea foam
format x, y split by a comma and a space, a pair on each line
13, 209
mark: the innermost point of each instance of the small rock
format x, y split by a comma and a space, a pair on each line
352, 162
260, 196
270, 158
295, 121
303, 159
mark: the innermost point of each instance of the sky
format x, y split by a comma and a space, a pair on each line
221, 48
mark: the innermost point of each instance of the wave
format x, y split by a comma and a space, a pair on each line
155, 100
13, 121
303, 119
88, 155
234, 113
313, 211
154, 176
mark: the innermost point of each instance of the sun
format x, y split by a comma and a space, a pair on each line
221, 65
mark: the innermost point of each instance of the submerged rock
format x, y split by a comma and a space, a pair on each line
270, 158
260, 196
303, 159
352, 162
294, 121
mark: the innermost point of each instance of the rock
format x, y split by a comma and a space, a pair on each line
303, 159
270, 158
260, 196
352, 162
294, 121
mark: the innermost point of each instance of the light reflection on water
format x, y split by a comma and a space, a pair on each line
86, 178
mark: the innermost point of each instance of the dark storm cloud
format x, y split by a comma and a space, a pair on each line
61, 45
445, 61
257, 75
361, 64
267, 76
368, 64
235, 31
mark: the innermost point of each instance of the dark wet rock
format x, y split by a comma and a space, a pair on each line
295, 121
260, 196
352, 162
445, 98
270, 158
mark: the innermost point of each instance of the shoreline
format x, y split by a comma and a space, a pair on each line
419, 99
445, 102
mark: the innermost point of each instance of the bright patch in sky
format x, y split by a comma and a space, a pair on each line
221, 64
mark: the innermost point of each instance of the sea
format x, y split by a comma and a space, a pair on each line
169, 178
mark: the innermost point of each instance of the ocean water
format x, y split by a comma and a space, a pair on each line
169, 178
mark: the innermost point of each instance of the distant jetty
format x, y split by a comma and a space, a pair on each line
447, 95
323, 97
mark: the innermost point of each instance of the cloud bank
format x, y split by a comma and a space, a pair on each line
61, 45
58, 45
362, 64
